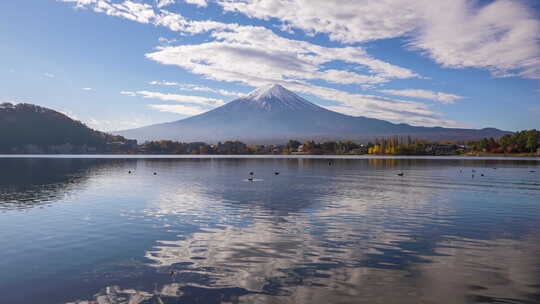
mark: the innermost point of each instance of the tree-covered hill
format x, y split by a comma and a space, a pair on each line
26, 127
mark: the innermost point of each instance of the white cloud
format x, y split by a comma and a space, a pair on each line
128, 93
500, 36
146, 13
178, 109
167, 41
105, 124
216, 91
163, 3
261, 43
70, 114
444, 98
197, 2
196, 88
48, 75
261, 52
205, 101
346, 21
87, 89
164, 83
114, 124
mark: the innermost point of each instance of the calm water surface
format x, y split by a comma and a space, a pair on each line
322, 231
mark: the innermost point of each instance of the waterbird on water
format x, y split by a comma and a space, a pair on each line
276, 173
482, 174
250, 179
129, 171
400, 174
250, 173
155, 173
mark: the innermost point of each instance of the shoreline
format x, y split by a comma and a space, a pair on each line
267, 156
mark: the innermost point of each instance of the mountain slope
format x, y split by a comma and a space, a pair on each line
26, 124
274, 114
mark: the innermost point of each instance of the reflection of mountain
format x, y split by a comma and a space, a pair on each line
274, 249
30, 182
358, 235
351, 231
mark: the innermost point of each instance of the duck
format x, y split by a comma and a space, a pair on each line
276, 173
251, 173
400, 174
155, 173
250, 179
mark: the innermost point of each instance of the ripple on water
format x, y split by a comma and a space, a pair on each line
198, 232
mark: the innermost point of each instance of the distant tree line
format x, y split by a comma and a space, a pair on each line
519, 142
526, 141
390, 146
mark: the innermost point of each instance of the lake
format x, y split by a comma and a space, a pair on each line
323, 230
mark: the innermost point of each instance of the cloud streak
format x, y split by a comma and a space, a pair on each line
500, 36
197, 88
443, 98
178, 109
197, 100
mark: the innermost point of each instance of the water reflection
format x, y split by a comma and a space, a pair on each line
27, 182
367, 238
353, 232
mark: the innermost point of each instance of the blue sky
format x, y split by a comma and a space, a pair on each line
117, 64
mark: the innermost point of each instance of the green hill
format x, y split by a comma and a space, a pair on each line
27, 128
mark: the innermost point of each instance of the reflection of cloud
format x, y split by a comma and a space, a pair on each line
272, 248
495, 270
356, 233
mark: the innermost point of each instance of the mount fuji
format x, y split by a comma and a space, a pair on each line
273, 114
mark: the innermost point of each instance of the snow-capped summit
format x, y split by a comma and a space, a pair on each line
270, 91
275, 96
